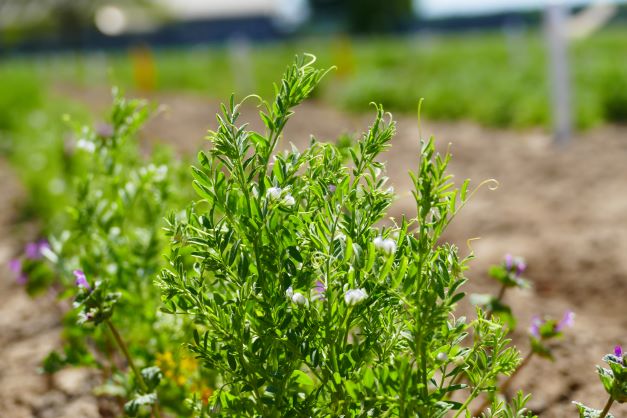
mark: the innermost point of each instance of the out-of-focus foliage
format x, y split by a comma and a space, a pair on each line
366, 16
489, 78
67, 19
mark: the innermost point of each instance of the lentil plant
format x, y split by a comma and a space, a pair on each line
306, 301
105, 254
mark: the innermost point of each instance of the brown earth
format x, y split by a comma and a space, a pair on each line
564, 210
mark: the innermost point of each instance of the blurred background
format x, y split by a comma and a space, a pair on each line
484, 61
530, 92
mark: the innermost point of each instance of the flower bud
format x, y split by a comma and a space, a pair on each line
458, 361
354, 296
386, 245
274, 193
299, 299
289, 200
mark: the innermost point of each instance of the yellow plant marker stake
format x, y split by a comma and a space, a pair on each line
144, 70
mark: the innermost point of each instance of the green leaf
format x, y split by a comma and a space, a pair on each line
587, 412
301, 378
132, 407
152, 377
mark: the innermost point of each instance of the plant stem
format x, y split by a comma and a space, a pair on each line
499, 297
607, 407
131, 363
505, 385
470, 398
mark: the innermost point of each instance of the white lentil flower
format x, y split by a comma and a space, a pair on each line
459, 360
354, 296
289, 292
442, 357
161, 172
289, 200
299, 299
274, 193
387, 245
86, 145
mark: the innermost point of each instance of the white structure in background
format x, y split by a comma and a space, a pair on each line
287, 14
559, 29
591, 19
447, 8
556, 16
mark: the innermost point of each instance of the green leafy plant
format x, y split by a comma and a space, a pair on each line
306, 302
614, 382
105, 254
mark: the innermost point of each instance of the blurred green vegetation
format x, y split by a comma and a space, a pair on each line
32, 137
491, 78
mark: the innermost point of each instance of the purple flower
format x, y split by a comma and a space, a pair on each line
319, 290
332, 188
31, 250
567, 321
34, 250
15, 266
81, 280
104, 130
509, 261
536, 323
618, 351
515, 264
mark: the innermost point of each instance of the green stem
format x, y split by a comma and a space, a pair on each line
499, 298
505, 384
607, 407
131, 363
471, 397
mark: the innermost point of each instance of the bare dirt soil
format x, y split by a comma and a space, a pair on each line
564, 210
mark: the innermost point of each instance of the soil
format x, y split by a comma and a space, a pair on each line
564, 209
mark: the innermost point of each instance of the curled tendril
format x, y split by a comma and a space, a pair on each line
254, 96
422, 99
469, 244
318, 259
312, 59
492, 184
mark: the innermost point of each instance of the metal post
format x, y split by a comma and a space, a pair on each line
241, 64
559, 77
